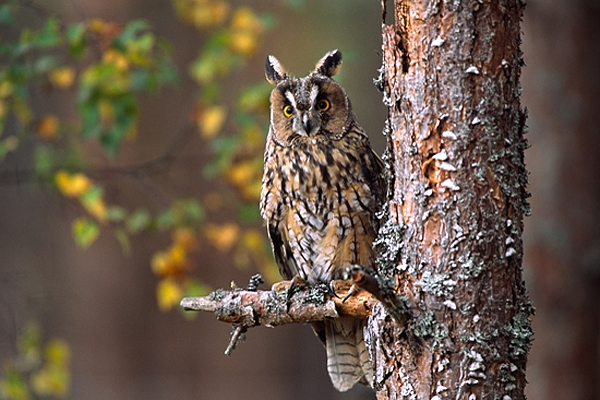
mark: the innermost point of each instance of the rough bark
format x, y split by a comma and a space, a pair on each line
452, 242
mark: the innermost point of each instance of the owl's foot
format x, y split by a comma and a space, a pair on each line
296, 284
331, 288
280, 286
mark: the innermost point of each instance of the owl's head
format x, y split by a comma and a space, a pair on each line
311, 109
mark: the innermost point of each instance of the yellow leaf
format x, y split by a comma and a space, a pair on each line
172, 262
116, 58
160, 263
47, 126
177, 255
97, 25
209, 15
97, 208
186, 238
254, 241
51, 380
210, 121
240, 174
62, 77
58, 352
244, 19
223, 237
168, 294
72, 185
246, 176
251, 191
244, 43
6, 89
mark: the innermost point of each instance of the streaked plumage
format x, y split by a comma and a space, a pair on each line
322, 186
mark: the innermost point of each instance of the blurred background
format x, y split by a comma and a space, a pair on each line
102, 300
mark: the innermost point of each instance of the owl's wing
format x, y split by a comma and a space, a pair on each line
373, 171
282, 252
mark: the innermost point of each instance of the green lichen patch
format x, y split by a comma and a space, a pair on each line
388, 245
217, 295
519, 332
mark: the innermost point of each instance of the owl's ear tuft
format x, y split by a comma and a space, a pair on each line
274, 71
330, 64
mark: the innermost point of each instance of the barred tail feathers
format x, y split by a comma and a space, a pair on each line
348, 360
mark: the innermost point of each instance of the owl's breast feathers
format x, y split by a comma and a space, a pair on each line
319, 200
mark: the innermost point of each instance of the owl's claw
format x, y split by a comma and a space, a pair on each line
331, 287
296, 284
351, 292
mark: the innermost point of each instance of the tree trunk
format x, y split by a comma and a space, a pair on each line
452, 240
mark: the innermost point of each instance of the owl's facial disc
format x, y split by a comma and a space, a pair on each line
306, 115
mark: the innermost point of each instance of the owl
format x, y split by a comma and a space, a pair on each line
322, 186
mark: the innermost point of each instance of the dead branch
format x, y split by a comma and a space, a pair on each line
270, 308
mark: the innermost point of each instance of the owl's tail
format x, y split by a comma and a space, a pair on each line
348, 360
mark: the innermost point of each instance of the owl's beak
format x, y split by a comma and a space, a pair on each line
306, 124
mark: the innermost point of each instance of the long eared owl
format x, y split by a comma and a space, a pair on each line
322, 186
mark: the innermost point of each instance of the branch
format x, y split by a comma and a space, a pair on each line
246, 308
270, 308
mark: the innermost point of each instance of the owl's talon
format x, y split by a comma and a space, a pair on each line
296, 284
351, 292
331, 287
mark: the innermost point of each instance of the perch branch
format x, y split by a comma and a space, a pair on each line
249, 308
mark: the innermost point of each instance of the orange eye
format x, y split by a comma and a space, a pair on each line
288, 111
323, 105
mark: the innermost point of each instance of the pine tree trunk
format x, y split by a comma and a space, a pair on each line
452, 243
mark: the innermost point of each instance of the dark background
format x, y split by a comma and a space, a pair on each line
104, 304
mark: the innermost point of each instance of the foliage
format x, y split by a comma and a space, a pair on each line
234, 37
38, 369
107, 67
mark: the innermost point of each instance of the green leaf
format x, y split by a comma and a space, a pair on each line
76, 39
138, 221
85, 231
92, 195
13, 384
49, 35
165, 219
116, 213
193, 210
45, 63
130, 32
188, 212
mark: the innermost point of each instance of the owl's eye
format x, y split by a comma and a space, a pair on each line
323, 105
288, 111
